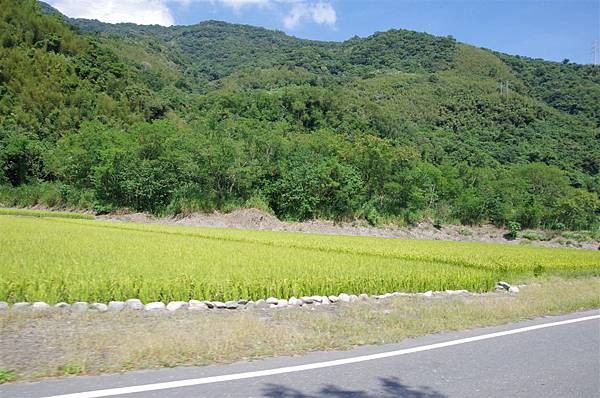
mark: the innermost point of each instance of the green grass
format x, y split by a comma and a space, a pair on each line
68, 260
42, 213
7, 375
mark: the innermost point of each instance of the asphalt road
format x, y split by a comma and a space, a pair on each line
558, 360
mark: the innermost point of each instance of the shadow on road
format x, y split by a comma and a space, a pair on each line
390, 388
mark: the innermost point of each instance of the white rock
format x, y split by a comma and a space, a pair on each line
513, 289
134, 304
62, 306
353, 298
282, 303
325, 300
242, 302
317, 299
99, 307
344, 297
79, 306
3, 305
21, 305
333, 299
219, 305
155, 306
363, 297
195, 305
428, 294
232, 305
177, 305
40, 305
503, 285
261, 303
116, 305
294, 301
456, 292
272, 305
307, 300
272, 300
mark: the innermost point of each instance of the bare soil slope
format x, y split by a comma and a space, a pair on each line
256, 219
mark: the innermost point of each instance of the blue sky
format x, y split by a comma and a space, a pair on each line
549, 29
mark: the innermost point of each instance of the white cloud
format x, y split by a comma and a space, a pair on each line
237, 4
143, 12
148, 12
323, 13
319, 13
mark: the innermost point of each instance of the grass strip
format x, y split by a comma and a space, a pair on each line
35, 345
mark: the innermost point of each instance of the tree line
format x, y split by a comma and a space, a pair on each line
397, 127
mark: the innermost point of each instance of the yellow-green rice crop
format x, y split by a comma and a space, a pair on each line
41, 213
69, 260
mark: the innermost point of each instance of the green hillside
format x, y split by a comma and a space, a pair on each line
396, 126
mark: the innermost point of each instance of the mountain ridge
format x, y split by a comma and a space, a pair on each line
355, 57
94, 25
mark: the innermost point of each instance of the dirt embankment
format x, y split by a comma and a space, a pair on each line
255, 219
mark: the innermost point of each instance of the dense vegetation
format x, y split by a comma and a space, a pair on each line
397, 126
55, 260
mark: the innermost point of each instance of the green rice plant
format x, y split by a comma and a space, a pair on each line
42, 213
69, 260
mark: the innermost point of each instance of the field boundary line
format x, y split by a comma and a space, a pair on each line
312, 366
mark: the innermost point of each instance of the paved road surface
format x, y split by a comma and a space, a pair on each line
562, 360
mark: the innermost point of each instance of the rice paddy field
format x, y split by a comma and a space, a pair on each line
65, 259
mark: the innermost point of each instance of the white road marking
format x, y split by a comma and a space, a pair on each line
299, 368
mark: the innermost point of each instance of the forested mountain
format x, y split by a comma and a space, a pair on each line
396, 126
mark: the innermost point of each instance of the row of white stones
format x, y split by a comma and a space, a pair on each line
271, 302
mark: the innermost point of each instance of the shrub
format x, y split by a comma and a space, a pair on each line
559, 226
513, 229
577, 236
534, 235
465, 232
373, 217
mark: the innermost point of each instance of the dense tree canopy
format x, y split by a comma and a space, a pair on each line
396, 126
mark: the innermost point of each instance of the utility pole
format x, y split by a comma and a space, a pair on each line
595, 52
504, 87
